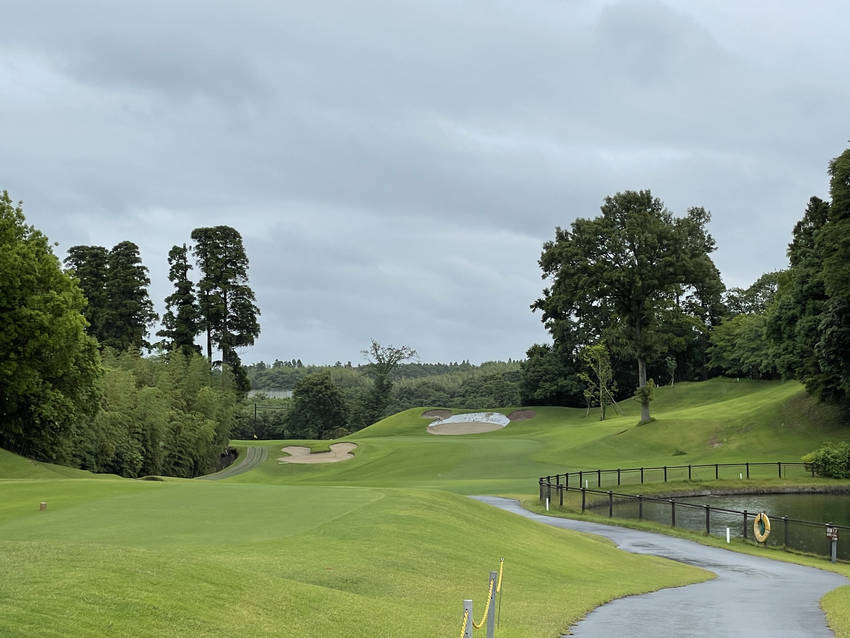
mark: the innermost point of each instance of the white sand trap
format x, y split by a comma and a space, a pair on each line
473, 423
339, 452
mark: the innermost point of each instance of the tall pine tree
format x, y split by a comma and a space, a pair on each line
181, 319
129, 310
88, 264
227, 304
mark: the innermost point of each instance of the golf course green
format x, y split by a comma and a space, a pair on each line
384, 544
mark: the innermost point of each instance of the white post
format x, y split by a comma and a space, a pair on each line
727, 535
585, 483
547, 503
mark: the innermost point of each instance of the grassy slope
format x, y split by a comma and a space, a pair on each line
715, 421
375, 546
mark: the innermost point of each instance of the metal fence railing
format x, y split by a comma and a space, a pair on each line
812, 537
690, 472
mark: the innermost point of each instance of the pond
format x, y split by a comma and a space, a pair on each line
798, 508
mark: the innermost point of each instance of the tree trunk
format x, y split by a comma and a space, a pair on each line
644, 404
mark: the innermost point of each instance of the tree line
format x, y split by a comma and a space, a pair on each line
365, 398
637, 287
795, 323
74, 386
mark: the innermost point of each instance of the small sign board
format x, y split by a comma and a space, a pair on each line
832, 533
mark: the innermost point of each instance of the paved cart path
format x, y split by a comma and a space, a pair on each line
751, 596
254, 456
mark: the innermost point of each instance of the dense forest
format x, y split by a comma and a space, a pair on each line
74, 386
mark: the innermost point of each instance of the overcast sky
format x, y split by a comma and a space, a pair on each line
394, 166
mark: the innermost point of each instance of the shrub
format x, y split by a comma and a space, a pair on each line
831, 460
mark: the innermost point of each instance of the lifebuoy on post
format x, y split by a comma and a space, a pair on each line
761, 527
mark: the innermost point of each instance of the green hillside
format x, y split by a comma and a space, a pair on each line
384, 544
715, 421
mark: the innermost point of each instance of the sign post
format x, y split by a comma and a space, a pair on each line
832, 535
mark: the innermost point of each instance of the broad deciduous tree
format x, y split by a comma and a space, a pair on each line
318, 408
382, 361
617, 273
49, 366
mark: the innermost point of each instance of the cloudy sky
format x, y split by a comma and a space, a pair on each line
394, 166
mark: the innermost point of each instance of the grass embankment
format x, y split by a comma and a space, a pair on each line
381, 545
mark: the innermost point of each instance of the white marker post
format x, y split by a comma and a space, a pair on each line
547, 503
727, 535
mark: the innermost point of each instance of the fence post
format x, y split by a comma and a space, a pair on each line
567, 479
540, 484
467, 610
580, 479
640, 507
598, 478
745, 524
673, 512
665, 473
785, 527
618, 477
491, 612
610, 504
560, 496
557, 480
813, 470
549, 491
716, 472
708, 519
748, 470
689, 471
641, 476
583, 496
779, 465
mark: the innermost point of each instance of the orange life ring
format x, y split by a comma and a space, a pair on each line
761, 527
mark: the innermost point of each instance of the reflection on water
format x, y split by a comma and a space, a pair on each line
819, 508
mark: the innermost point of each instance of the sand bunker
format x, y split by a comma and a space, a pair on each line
474, 423
298, 454
521, 415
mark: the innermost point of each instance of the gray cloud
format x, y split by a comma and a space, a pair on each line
395, 167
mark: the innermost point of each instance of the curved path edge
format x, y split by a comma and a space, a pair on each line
751, 596
254, 455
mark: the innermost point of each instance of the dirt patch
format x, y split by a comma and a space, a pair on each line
338, 452
522, 415
437, 414
467, 427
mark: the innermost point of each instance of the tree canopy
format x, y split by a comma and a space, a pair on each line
49, 366
615, 276
181, 319
227, 305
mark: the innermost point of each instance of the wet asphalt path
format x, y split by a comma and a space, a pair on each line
750, 597
253, 457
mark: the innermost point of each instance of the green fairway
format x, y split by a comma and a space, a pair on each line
384, 544
180, 558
